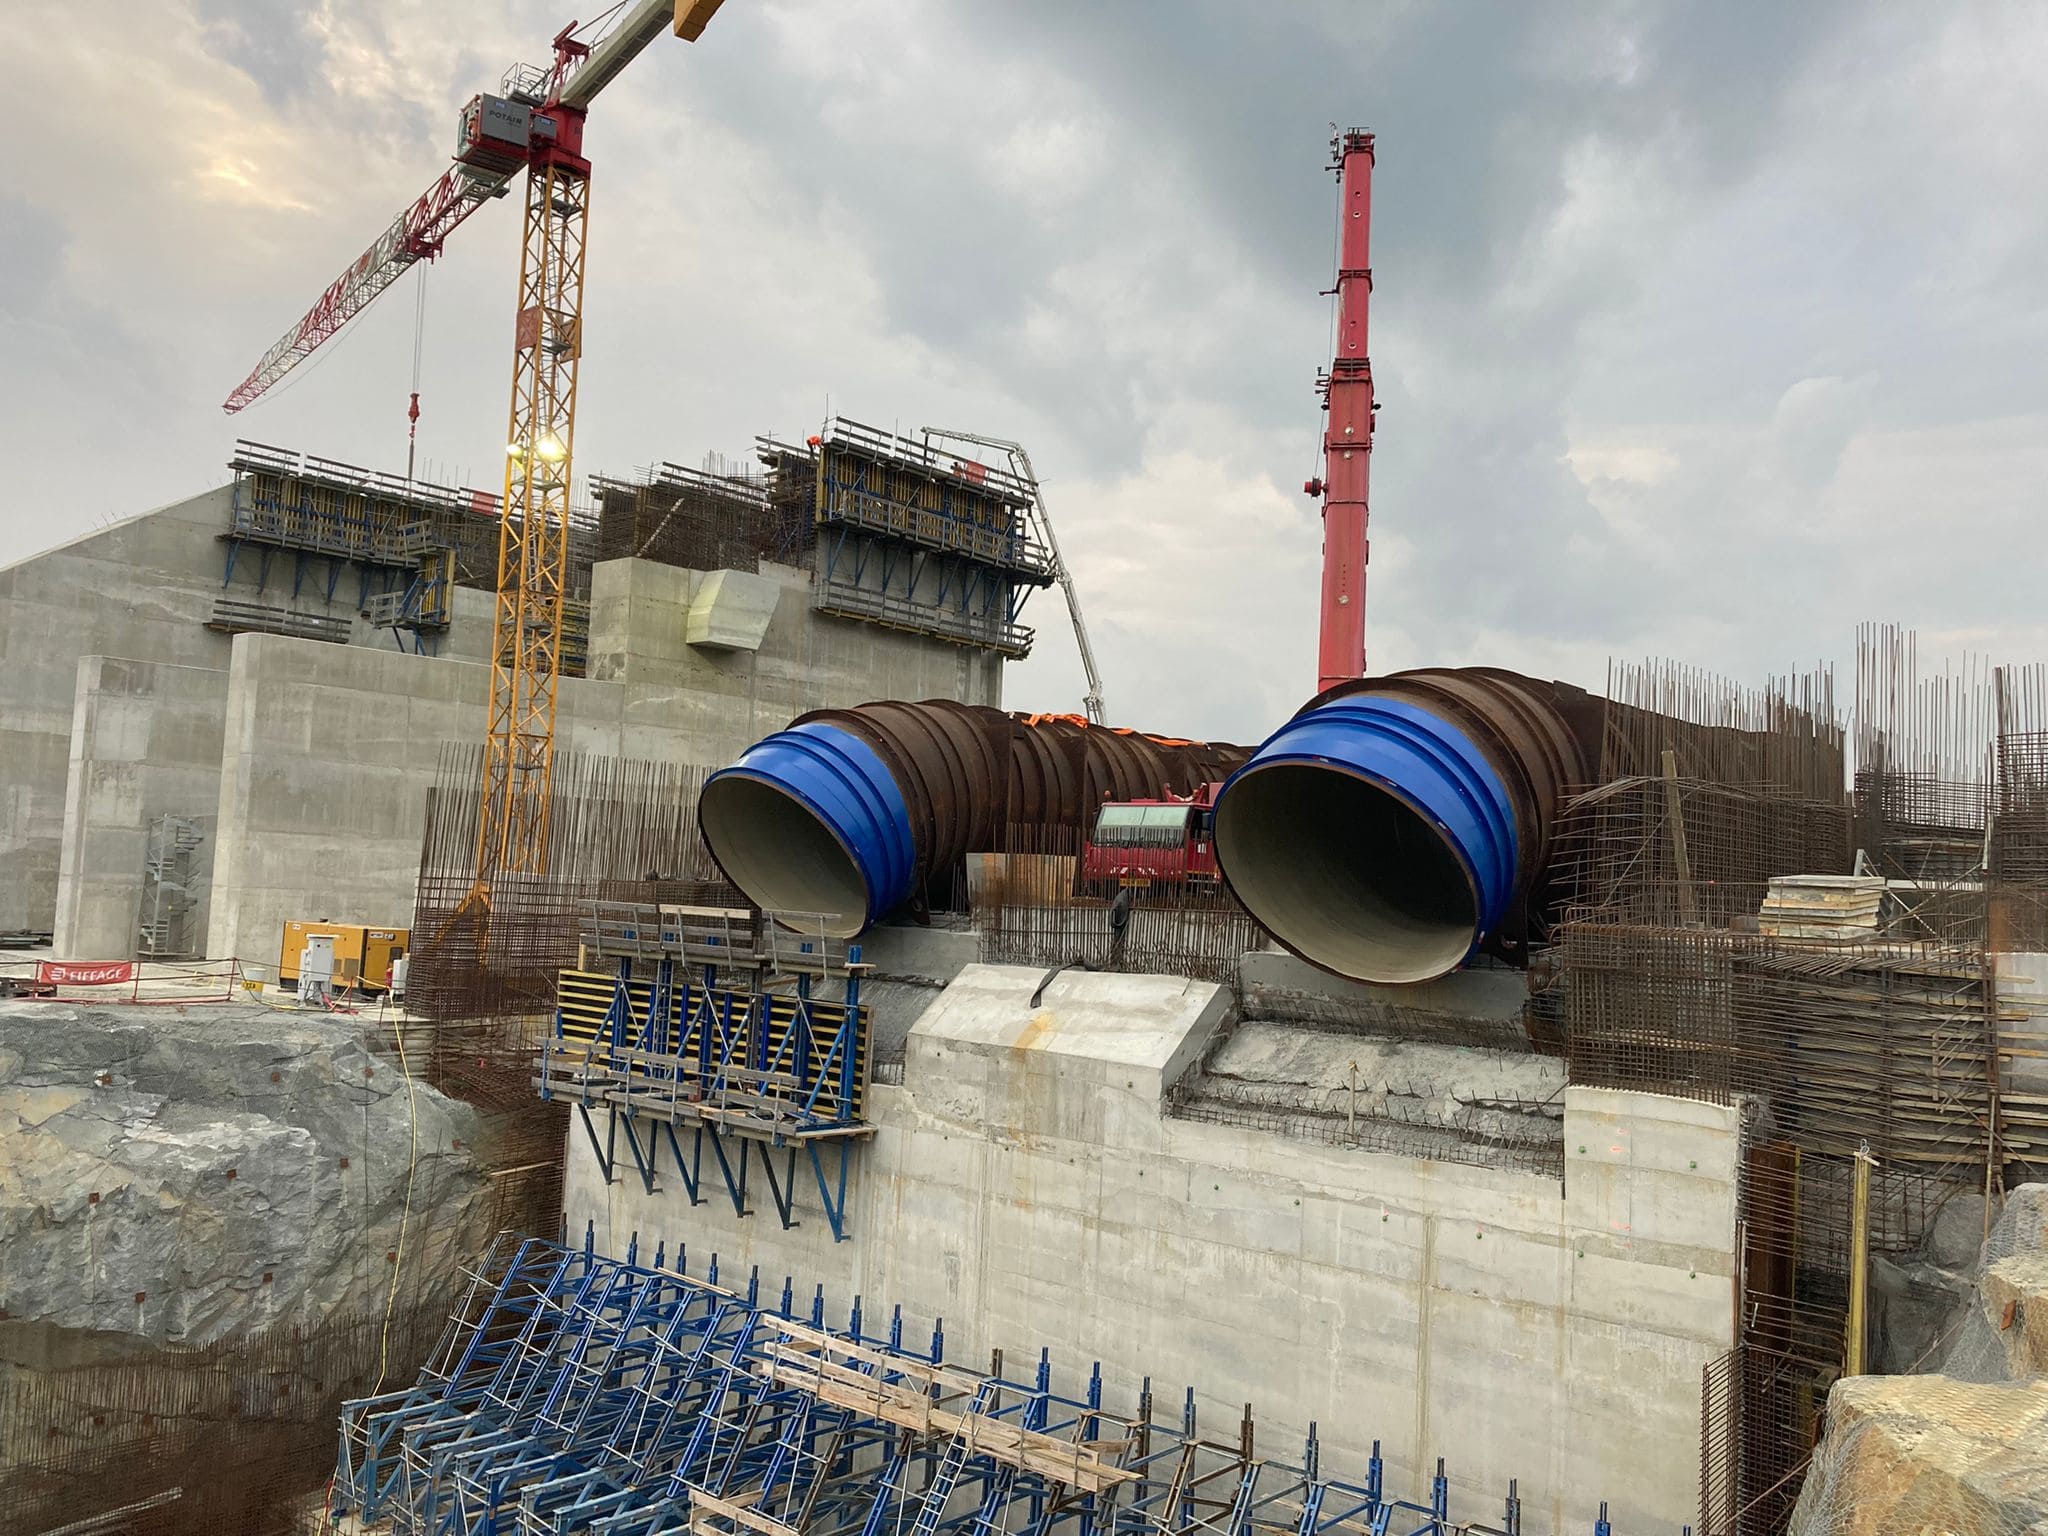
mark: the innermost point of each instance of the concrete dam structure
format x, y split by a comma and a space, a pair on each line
572, 1007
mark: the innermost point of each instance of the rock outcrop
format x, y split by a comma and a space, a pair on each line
1965, 1451
180, 1174
1923, 1453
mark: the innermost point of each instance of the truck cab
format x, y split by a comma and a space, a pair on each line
1145, 843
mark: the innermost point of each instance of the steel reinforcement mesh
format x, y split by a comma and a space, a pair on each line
619, 829
722, 517
1894, 1040
1032, 906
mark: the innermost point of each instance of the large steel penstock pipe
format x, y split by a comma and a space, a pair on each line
852, 812
1395, 825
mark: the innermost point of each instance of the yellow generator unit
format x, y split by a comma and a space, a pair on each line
362, 955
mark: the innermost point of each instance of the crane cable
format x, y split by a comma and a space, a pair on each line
419, 349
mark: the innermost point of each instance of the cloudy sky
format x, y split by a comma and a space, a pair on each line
1701, 331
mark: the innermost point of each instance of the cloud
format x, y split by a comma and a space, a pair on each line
1701, 331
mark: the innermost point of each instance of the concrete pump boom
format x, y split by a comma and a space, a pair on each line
1092, 700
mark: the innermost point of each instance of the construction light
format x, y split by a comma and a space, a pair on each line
515, 450
551, 449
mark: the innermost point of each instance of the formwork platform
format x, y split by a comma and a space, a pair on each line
702, 1036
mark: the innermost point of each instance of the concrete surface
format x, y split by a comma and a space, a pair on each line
641, 615
1482, 993
328, 755
1511, 1097
907, 952
141, 589
731, 610
145, 743
1024, 1185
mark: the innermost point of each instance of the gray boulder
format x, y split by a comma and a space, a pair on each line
180, 1174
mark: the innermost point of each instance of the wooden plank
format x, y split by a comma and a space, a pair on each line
705, 1507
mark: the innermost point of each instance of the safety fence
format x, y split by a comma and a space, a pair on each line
1034, 904
122, 981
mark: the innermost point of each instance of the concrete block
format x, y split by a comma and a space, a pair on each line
730, 610
1151, 1026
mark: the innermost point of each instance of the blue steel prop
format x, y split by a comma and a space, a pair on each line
1424, 761
578, 1393
681, 1058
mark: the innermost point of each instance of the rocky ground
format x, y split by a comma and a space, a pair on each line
174, 1175
1964, 1449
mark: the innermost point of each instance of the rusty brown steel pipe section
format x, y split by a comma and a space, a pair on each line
854, 812
1398, 825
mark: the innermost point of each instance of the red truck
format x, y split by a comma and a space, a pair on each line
1152, 842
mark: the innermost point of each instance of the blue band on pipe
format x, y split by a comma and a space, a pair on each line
1427, 762
843, 782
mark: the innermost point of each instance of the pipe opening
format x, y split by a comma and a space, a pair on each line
781, 853
1346, 874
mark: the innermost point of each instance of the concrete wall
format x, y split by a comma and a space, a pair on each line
141, 589
1025, 1186
145, 742
327, 758
329, 750
640, 615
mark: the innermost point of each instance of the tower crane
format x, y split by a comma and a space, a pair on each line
535, 125
1021, 462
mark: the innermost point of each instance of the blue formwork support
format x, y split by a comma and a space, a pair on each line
759, 1088
577, 1393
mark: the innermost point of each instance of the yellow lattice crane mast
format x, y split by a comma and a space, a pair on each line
535, 125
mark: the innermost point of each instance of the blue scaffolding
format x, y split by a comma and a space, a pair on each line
710, 1048
572, 1392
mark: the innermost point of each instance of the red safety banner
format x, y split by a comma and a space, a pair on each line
60, 973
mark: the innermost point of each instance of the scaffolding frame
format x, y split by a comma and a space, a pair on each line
915, 539
578, 1393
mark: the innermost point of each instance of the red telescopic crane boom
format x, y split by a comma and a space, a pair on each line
1347, 440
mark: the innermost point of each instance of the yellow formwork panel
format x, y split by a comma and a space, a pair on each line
583, 998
